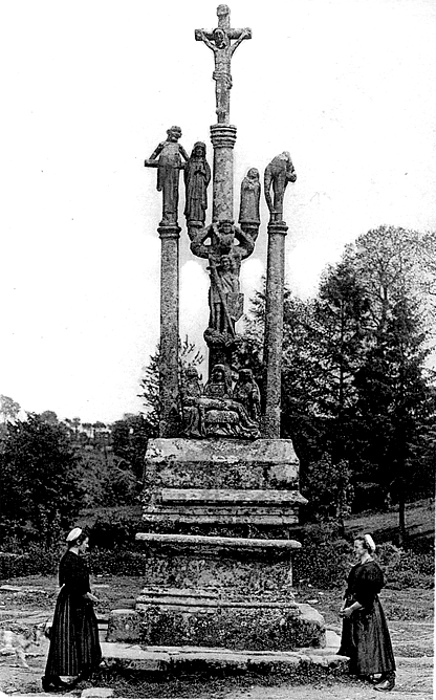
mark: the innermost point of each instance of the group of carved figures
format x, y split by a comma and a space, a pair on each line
167, 158
217, 410
222, 243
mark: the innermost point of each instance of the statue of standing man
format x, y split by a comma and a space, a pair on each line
278, 173
219, 41
228, 245
167, 157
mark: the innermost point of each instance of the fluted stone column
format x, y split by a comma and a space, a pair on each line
169, 329
274, 327
223, 139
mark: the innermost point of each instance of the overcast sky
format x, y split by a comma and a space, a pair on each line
88, 91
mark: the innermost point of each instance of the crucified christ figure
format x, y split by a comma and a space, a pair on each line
219, 40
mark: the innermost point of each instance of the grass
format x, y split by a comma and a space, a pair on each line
420, 522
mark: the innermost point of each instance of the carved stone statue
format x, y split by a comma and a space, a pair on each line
197, 177
228, 246
250, 198
190, 393
219, 41
167, 158
278, 173
247, 393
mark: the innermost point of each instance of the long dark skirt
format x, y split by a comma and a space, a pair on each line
366, 640
74, 643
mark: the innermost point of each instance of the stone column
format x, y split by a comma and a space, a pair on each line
223, 139
274, 327
169, 329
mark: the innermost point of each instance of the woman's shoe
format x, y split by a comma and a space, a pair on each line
54, 683
46, 685
385, 686
376, 678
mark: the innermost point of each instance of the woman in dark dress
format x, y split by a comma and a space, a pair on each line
74, 644
365, 634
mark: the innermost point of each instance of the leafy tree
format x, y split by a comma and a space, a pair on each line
49, 417
38, 480
328, 488
395, 402
354, 382
9, 409
119, 484
340, 326
129, 441
188, 355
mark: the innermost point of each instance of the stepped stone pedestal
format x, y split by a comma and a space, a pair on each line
217, 549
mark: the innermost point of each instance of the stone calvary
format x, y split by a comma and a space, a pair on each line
221, 488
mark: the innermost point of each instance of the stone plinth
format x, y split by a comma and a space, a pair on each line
224, 487
219, 512
217, 548
233, 567
203, 617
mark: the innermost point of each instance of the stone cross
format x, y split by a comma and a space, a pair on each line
219, 40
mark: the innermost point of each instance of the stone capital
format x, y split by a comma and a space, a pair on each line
278, 228
168, 231
223, 135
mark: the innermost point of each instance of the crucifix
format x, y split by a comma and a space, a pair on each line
219, 40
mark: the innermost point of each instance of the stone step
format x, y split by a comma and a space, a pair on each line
230, 496
304, 663
219, 515
214, 541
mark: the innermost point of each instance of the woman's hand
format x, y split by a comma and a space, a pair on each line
93, 598
346, 612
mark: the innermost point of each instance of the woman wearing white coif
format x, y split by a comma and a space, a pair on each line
365, 634
74, 644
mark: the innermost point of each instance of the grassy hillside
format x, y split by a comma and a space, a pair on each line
420, 523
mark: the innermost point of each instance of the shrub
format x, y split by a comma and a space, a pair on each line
111, 528
118, 562
406, 569
324, 560
33, 562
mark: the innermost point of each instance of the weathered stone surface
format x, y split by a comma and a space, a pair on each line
233, 627
233, 496
259, 464
167, 158
123, 625
237, 573
97, 693
220, 483
181, 660
131, 657
312, 626
277, 174
273, 342
209, 621
211, 543
219, 40
267, 451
